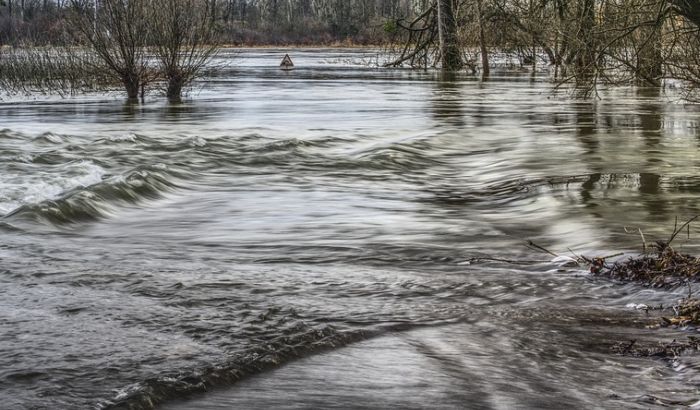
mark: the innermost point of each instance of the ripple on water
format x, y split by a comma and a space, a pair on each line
273, 217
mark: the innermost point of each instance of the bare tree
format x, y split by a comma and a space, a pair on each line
185, 39
430, 39
247, 21
414, 41
588, 42
119, 34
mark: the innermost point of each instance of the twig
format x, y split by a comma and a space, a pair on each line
644, 242
677, 231
577, 257
690, 289
614, 255
538, 247
511, 261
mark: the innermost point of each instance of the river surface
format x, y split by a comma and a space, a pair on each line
337, 236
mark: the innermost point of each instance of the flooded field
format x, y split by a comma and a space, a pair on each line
366, 226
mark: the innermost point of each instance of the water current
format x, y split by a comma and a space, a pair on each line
337, 236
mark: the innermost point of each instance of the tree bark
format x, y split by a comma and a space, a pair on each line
688, 9
650, 59
132, 87
11, 22
174, 92
585, 57
485, 70
450, 53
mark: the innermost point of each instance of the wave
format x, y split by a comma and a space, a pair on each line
50, 138
220, 153
22, 185
299, 341
396, 157
4, 226
306, 340
498, 192
8, 134
96, 201
330, 153
519, 188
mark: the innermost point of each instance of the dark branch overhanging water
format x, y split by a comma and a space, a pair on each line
278, 214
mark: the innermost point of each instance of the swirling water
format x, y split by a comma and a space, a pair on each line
366, 226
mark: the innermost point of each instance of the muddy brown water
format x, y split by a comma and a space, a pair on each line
276, 216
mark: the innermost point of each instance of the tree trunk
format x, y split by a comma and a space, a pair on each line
214, 10
11, 23
450, 53
585, 56
132, 87
650, 60
485, 70
563, 47
174, 92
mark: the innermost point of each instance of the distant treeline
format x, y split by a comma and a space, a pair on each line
241, 22
584, 43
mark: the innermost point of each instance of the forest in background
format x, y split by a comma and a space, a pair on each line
139, 43
240, 22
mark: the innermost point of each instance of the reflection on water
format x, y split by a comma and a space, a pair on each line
152, 251
446, 102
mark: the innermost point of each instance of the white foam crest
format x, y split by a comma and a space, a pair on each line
197, 142
50, 137
637, 306
123, 138
54, 138
20, 189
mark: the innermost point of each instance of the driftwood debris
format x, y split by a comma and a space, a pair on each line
659, 266
663, 266
661, 350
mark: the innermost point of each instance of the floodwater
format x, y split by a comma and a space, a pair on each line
337, 236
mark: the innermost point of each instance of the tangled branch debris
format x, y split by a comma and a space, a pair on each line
661, 350
417, 40
659, 266
662, 267
687, 313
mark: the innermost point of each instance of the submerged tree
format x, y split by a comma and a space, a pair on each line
415, 40
485, 70
185, 39
450, 50
431, 38
586, 42
118, 33
682, 61
636, 42
124, 33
